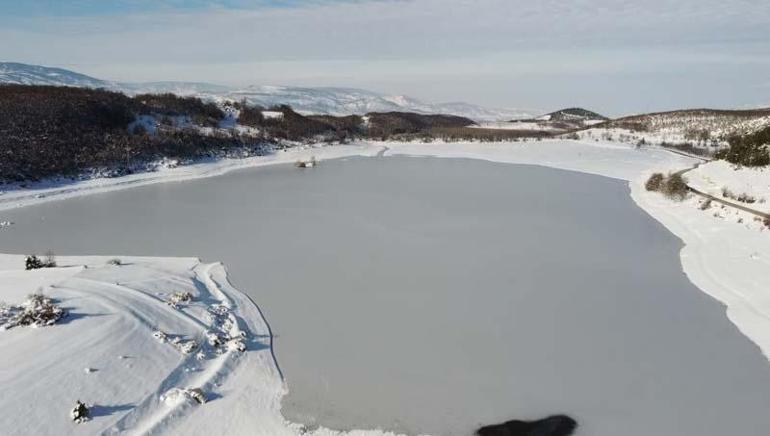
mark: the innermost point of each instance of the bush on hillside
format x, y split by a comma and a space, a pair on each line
675, 187
654, 182
33, 262
750, 150
202, 113
295, 127
48, 131
250, 115
385, 125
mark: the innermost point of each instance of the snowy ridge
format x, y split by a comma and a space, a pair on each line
319, 100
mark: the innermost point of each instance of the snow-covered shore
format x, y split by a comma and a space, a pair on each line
119, 307
15, 197
727, 258
751, 186
108, 353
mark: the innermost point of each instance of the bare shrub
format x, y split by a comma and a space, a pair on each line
654, 182
675, 187
80, 413
50, 259
743, 198
33, 262
746, 198
179, 298
36, 311
251, 116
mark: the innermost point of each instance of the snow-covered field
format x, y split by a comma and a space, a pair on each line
750, 186
130, 356
105, 353
615, 134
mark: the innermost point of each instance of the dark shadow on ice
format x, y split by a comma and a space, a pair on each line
558, 425
212, 396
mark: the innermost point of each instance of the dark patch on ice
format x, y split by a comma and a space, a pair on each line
558, 425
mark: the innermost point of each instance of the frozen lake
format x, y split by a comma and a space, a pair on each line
434, 295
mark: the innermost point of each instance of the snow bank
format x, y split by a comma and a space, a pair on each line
104, 354
13, 198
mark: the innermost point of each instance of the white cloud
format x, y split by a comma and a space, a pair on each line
430, 46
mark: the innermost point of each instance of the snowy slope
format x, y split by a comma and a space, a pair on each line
22, 74
331, 101
108, 354
694, 124
720, 178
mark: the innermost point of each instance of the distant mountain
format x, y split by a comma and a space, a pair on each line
572, 114
23, 74
562, 121
347, 101
330, 101
179, 88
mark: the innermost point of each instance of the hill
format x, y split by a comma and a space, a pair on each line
23, 74
573, 115
306, 100
49, 131
554, 123
697, 124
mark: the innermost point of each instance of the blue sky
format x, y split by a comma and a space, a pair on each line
614, 56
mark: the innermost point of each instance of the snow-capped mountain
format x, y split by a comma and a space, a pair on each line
346, 101
23, 74
331, 101
178, 88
